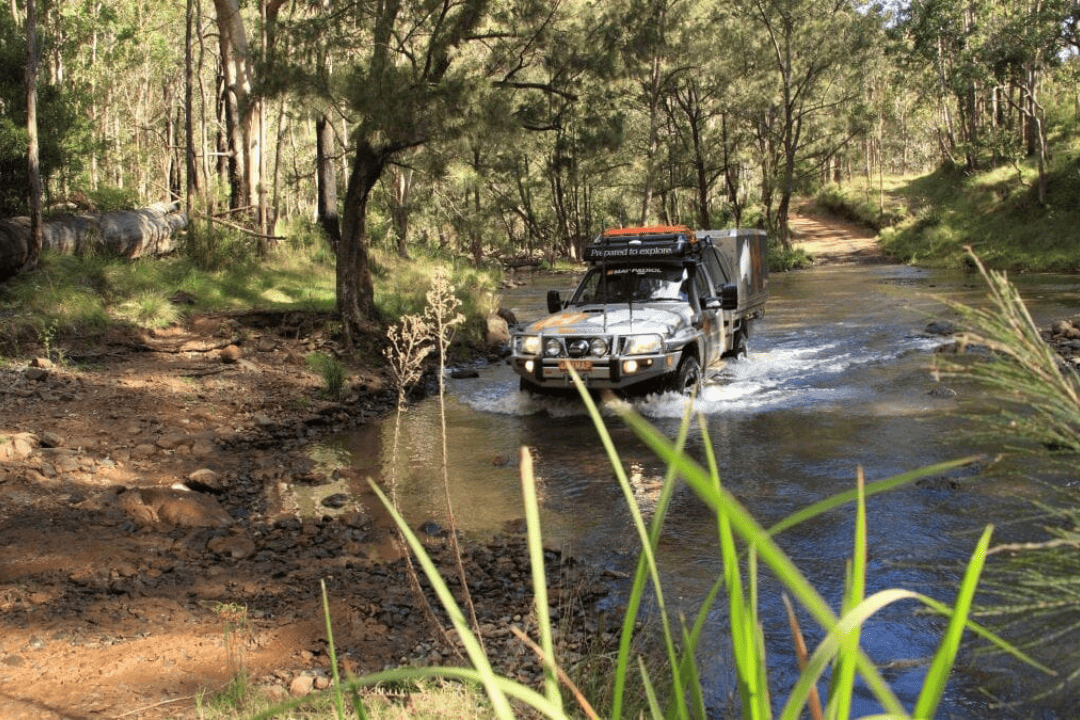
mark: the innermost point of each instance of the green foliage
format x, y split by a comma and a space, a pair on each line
782, 259
62, 130
106, 199
1031, 587
215, 247
333, 372
996, 212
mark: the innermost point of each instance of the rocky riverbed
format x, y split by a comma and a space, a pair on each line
148, 552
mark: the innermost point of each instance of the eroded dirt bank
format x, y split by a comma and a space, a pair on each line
146, 552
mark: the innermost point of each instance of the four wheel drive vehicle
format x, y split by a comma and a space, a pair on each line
657, 307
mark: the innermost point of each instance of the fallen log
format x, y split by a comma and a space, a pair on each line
128, 233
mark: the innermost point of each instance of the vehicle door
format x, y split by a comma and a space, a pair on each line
711, 321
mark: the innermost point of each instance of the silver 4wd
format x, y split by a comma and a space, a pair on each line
657, 307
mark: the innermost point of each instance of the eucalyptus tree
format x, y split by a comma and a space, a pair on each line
61, 134
808, 54
33, 251
564, 130
989, 59
411, 86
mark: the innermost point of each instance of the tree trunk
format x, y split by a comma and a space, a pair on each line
355, 290
243, 108
326, 181
33, 253
190, 171
128, 233
399, 207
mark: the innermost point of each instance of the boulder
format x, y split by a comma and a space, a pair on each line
150, 506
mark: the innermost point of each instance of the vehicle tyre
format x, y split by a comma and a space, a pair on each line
687, 377
740, 345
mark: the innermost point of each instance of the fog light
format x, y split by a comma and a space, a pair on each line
529, 366
629, 367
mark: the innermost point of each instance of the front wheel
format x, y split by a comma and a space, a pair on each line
687, 376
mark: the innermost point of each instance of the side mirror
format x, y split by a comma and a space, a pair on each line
729, 297
554, 301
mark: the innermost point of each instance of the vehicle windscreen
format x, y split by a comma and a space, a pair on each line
634, 283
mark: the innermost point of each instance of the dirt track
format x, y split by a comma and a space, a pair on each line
835, 242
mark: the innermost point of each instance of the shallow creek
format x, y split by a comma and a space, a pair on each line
837, 378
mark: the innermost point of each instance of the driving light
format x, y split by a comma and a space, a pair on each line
530, 345
643, 345
598, 347
552, 347
530, 366
629, 367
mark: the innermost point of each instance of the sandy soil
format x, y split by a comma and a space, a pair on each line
147, 548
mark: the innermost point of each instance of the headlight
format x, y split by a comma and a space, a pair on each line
530, 344
643, 345
552, 347
598, 347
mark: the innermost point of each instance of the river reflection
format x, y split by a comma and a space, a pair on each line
837, 379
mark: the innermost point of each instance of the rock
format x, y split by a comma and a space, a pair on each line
16, 447
942, 327
464, 373
205, 480
301, 685
37, 374
51, 440
507, 315
234, 546
498, 331
173, 441
230, 354
335, 501
182, 297
42, 362
149, 506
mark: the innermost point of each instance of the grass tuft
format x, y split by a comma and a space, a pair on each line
333, 372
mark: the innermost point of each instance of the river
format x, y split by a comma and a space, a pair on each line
837, 378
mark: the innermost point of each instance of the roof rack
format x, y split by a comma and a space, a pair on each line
657, 242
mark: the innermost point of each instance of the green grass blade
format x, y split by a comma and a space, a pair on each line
742, 523
539, 578
480, 662
835, 501
650, 692
647, 568
831, 644
934, 685
339, 700
843, 679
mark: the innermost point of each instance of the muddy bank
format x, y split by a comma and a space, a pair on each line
141, 527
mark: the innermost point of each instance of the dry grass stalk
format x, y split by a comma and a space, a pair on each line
443, 317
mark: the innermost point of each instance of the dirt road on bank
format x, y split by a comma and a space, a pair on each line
831, 241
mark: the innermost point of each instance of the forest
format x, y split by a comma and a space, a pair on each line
508, 128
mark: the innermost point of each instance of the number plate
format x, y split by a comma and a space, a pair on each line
582, 366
